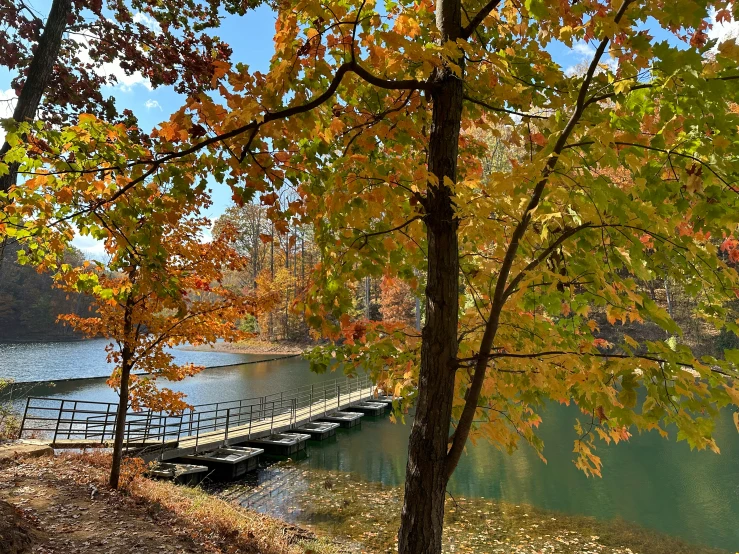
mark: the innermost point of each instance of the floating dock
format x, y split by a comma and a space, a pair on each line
73, 423
368, 408
344, 419
385, 399
181, 474
227, 463
319, 430
282, 444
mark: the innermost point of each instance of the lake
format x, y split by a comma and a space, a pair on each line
657, 483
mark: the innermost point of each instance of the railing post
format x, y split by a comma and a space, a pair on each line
338, 396
310, 409
251, 418
71, 424
197, 434
272, 419
228, 417
25, 413
58, 421
147, 426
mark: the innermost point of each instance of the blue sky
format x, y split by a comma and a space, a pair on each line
251, 40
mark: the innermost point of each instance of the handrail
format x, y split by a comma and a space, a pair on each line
74, 419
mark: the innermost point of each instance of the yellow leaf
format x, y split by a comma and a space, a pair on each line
736, 420
565, 34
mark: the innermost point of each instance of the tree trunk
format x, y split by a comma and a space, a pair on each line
126, 365
272, 273
120, 425
39, 73
422, 518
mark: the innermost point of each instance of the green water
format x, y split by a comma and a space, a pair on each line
656, 483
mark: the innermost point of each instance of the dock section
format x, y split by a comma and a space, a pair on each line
203, 428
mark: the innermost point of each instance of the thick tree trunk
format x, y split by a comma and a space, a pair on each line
425, 487
39, 73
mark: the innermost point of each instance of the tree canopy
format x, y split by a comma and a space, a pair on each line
377, 120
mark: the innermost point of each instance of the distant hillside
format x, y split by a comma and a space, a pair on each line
29, 304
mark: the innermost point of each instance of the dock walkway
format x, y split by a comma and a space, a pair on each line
69, 423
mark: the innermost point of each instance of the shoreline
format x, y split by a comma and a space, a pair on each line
252, 347
335, 513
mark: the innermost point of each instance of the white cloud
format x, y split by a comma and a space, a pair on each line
7, 105
723, 30
92, 248
581, 54
583, 49
147, 21
125, 82
150, 104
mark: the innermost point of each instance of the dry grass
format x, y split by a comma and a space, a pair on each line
9, 421
210, 519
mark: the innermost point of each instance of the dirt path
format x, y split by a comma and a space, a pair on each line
66, 516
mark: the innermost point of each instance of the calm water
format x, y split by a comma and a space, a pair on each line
39, 361
654, 482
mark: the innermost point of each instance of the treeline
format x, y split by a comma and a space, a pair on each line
30, 304
282, 261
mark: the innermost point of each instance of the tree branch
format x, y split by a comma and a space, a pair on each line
364, 237
501, 110
499, 298
543, 256
468, 29
253, 126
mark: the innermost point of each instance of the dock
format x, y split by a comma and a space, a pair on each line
70, 423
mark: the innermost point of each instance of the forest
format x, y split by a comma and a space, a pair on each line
30, 304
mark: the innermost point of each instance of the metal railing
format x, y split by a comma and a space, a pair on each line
82, 421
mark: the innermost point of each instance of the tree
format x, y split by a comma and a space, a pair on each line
628, 172
63, 63
397, 304
163, 284
147, 303
280, 263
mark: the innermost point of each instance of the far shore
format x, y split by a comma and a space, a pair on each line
253, 347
